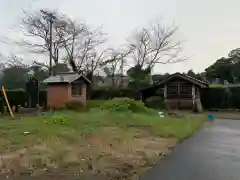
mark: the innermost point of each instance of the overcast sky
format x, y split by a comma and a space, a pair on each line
210, 28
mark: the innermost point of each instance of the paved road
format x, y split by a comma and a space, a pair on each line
212, 154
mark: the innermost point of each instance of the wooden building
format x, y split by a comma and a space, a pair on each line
178, 90
64, 87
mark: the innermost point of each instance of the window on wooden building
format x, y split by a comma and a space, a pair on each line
185, 89
76, 89
172, 89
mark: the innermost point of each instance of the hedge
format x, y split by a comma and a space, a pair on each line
217, 97
104, 94
236, 97
20, 97
212, 98
221, 98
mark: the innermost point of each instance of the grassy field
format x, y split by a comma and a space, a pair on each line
91, 145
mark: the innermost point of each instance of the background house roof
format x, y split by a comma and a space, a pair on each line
64, 78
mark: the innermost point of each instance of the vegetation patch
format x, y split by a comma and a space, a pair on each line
95, 145
125, 105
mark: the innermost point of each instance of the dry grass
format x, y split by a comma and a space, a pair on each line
97, 145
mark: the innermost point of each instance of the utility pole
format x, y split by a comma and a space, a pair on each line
50, 41
56, 53
50, 17
121, 67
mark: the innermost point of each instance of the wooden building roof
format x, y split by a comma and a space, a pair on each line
181, 76
64, 78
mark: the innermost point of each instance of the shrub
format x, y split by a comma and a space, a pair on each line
58, 120
125, 105
16, 97
221, 97
75, 105
155, 102
43, 98
235, 91
20, 97
104, 93
100, 93
94, 103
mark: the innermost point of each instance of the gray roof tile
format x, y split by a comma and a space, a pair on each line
63, 78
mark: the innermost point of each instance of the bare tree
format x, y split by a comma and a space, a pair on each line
13, 61
114, 65
80, 43
71, 35
95, 62
42, 65
36, 27
75, 42
89, 55
49, 32
17, 61
112, 68
156, 45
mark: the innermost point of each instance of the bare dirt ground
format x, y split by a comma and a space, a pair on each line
94, 160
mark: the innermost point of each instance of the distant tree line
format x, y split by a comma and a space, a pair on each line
225, 69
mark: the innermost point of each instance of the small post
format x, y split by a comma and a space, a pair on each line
6, 99
193, 95
179, 92
165, 91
